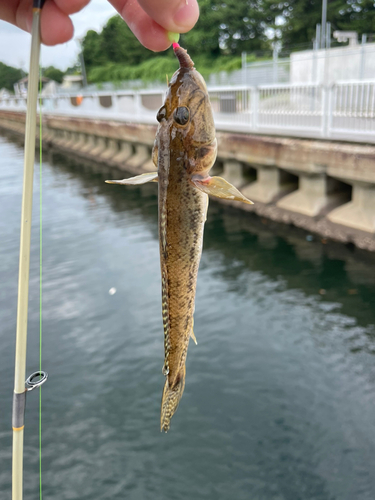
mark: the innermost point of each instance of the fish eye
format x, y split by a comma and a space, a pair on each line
162, 114
182, 115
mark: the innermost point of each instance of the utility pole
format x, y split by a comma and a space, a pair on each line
324, 24
82, 62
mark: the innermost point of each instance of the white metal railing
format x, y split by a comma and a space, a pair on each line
291, 107
344, 110
353, 108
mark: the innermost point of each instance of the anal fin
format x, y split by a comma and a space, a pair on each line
192, 332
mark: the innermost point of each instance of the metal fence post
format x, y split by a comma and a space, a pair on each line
243, 67
115, 103
363, 55
330, 91
255, 107
137, 102
275, 55
324, 125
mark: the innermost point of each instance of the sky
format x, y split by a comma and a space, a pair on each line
15, 43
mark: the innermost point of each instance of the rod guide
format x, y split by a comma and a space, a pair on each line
35, 380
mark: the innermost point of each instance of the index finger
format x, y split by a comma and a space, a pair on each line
146, 27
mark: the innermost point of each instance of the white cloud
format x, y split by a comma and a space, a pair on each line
15, 43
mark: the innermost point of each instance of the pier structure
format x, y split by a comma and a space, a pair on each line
324, 185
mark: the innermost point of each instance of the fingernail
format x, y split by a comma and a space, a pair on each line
187, 16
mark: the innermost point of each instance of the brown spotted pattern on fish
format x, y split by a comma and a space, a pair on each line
184, 152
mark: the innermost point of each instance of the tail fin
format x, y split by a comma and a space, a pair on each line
171, 398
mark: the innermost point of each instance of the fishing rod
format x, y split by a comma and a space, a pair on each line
38, 378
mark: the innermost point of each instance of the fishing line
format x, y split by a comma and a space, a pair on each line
40, 276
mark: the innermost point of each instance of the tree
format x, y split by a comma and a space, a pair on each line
9, 76
302, 16
120, 45
116, 43
230, 27
205, 36
54, 74
92, 51
358, 15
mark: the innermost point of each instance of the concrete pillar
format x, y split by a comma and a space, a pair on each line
233, 173
80, 142
149, 166
66, 138
100, 147
110, 151
89, 145
20, 127
271, 183
360, 211
142, 154
47, 134
74, 137
124, 153
61, 137
54, 135
315, 193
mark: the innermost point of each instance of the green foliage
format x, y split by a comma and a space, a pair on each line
229, 27
115, 44
159, 67
151, 70
205, 36
91, 48
73, 70
9, 76
54, 74
301, 17
358, 15
224, 30
206, 65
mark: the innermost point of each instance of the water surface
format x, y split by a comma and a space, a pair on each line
279, 397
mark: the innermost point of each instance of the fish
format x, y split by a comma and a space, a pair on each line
184, 151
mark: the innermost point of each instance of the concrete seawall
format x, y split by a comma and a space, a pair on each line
327, 188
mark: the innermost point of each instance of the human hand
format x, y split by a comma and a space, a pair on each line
149, 20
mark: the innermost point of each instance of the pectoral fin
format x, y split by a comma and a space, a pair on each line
139, 179
219, 187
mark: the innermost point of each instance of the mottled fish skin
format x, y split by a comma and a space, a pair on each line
182, 151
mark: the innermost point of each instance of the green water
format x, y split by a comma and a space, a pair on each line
280, 390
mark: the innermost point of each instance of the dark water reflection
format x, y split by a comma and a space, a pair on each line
279, 398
